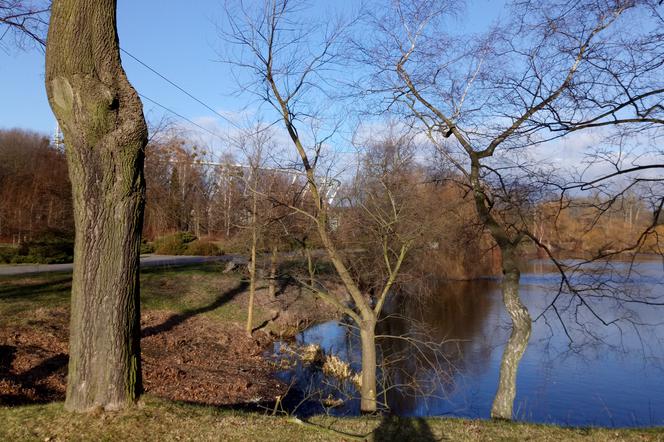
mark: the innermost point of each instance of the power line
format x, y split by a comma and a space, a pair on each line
181, 116
181, 89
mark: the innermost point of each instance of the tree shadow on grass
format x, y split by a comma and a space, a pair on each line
283, 282
7, 353
29, 384
177, 319
12, 291
391, 429
212, 267
395, 428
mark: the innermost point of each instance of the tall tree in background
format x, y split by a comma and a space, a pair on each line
554, 68
102, 119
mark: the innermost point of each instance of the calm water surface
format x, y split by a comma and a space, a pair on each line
607, 375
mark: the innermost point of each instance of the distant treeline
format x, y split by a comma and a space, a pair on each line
185, 193
35, 194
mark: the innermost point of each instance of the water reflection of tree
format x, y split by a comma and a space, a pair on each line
622, 314
430, 336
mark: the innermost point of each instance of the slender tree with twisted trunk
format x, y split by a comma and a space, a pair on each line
105, 133
551, 69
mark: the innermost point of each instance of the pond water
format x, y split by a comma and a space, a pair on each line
576, 370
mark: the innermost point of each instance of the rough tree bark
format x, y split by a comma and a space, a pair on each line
105, 133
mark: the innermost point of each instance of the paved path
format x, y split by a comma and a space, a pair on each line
146, 261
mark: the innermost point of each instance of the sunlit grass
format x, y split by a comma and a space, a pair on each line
160, 420
203, 289
20, 295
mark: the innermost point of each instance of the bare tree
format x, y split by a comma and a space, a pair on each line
255, 143
278, 50
102, 119
25, 21
553, 69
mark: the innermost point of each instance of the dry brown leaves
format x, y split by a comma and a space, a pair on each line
194, 359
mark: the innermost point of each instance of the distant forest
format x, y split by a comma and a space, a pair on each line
189, 191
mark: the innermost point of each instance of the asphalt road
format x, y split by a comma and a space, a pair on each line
146, 261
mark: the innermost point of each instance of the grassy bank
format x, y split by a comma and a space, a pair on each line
177, 289
202, 307
159, 420
194, 345
191, 290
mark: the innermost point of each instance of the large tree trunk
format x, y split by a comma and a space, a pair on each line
516, 346
105, 135
369, 367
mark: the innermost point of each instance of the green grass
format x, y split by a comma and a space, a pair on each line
23, 294
159, 420
201, 289
204, 289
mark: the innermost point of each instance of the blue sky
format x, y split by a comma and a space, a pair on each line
179, 39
